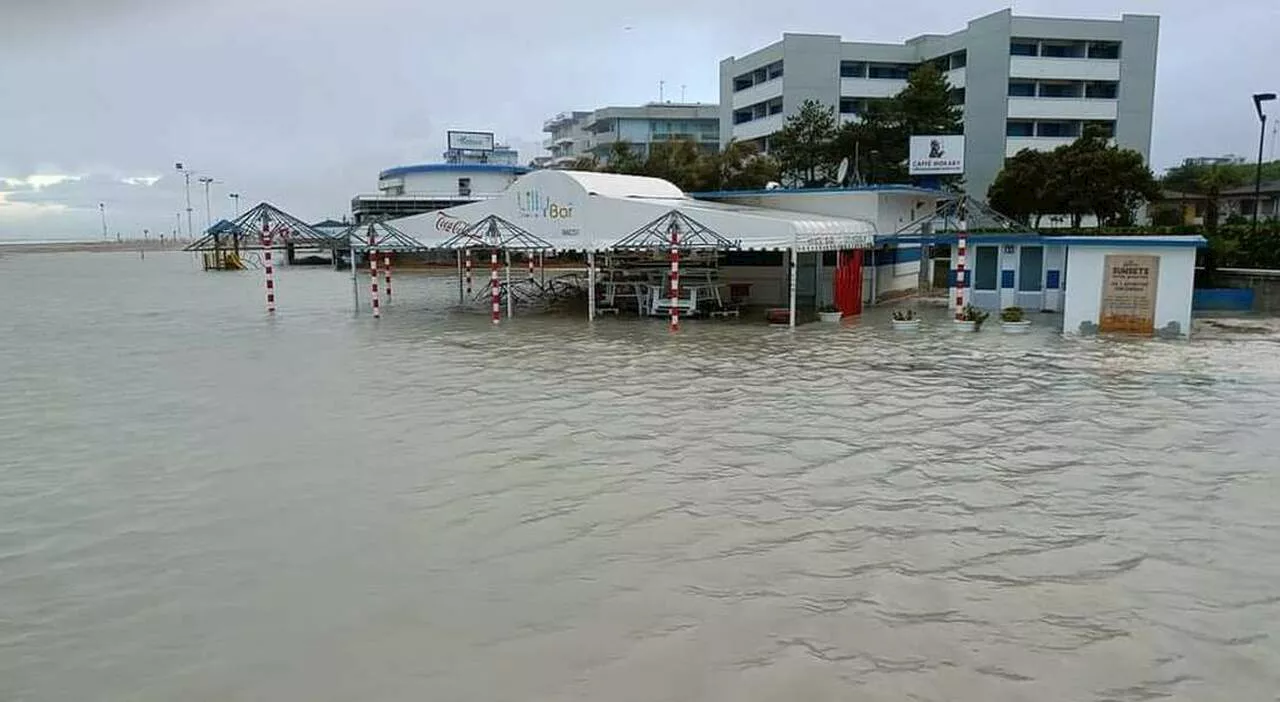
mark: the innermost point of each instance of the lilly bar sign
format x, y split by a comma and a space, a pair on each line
939, 154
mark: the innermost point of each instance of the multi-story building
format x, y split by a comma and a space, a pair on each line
1022, 82
1226, 160
464, 176
578, 134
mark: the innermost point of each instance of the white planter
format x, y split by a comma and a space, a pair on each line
1016, 327
906, 324
830, 316
965, 326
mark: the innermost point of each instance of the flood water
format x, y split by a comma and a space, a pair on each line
200, 503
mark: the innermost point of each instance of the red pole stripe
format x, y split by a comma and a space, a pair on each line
675, 277
267, 267
386, 264
373, 279
468, 252
494, 297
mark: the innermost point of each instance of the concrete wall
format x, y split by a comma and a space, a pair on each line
1265, 285
810, 71
986, 102
446, 182
1140, 37
1086, 271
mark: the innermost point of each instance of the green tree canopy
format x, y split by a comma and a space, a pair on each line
1089, 176
804, 145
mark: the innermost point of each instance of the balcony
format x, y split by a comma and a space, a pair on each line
1062, 108
1012, 145
1052, 68
757, 128
757, 93
870, 87
955, 77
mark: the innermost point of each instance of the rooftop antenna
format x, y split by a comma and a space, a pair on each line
662, 85
682, 87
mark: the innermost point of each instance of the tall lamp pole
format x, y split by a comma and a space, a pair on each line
1258, 99
102, 210
208, 216
235, 199
186, 174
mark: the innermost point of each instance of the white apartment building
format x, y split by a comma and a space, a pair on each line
577, 134
1022, 82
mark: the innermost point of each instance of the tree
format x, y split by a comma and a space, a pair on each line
622, 158
1023, 188
804, 145
877, 143
741, 166
1089, 176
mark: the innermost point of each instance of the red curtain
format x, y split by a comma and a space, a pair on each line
847, 283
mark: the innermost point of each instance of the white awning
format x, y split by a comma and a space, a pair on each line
592, 211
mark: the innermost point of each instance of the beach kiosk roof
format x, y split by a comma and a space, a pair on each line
583, 211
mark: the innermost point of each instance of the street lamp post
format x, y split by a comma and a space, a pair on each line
1258, 99
208, 215
186, 174
102, 210
235, 200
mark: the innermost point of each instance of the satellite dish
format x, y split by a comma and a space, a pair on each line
843, 171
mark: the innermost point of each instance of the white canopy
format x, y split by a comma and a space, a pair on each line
575, 210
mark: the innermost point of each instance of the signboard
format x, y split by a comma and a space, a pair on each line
470, 141
1129, 294
939, 154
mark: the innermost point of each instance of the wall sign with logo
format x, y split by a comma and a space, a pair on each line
536, 204
470, 141
1129, 294
939, 154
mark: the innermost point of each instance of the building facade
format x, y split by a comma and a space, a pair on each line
464, 176
579, 134
1022, 82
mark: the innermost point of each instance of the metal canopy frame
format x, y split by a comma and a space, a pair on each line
382, 236
494, 232
692, 234
245, 232
962, 213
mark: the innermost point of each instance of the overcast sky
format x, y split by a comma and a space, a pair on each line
302, 102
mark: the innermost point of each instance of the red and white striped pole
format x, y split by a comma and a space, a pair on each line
468, 254
267, 241
675, 277
494, 297
961, 243
373, 277
386, 272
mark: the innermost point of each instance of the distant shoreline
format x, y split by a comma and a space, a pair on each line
91, 246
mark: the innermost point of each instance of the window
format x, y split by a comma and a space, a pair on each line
1060, 90
1030, 269
464, 187
775, 106
1057, 129
1104, 50
853, 69
1073, 49
958, 60
758, 76
1105, 90
889, 71
1022, 88
741, 116
1023, 47
956, 96
986, 267
1020, 128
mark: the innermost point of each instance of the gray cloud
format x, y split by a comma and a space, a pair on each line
303, 101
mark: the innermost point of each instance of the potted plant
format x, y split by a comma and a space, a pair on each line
905, 320
1013, 321
830, 313
970, 319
